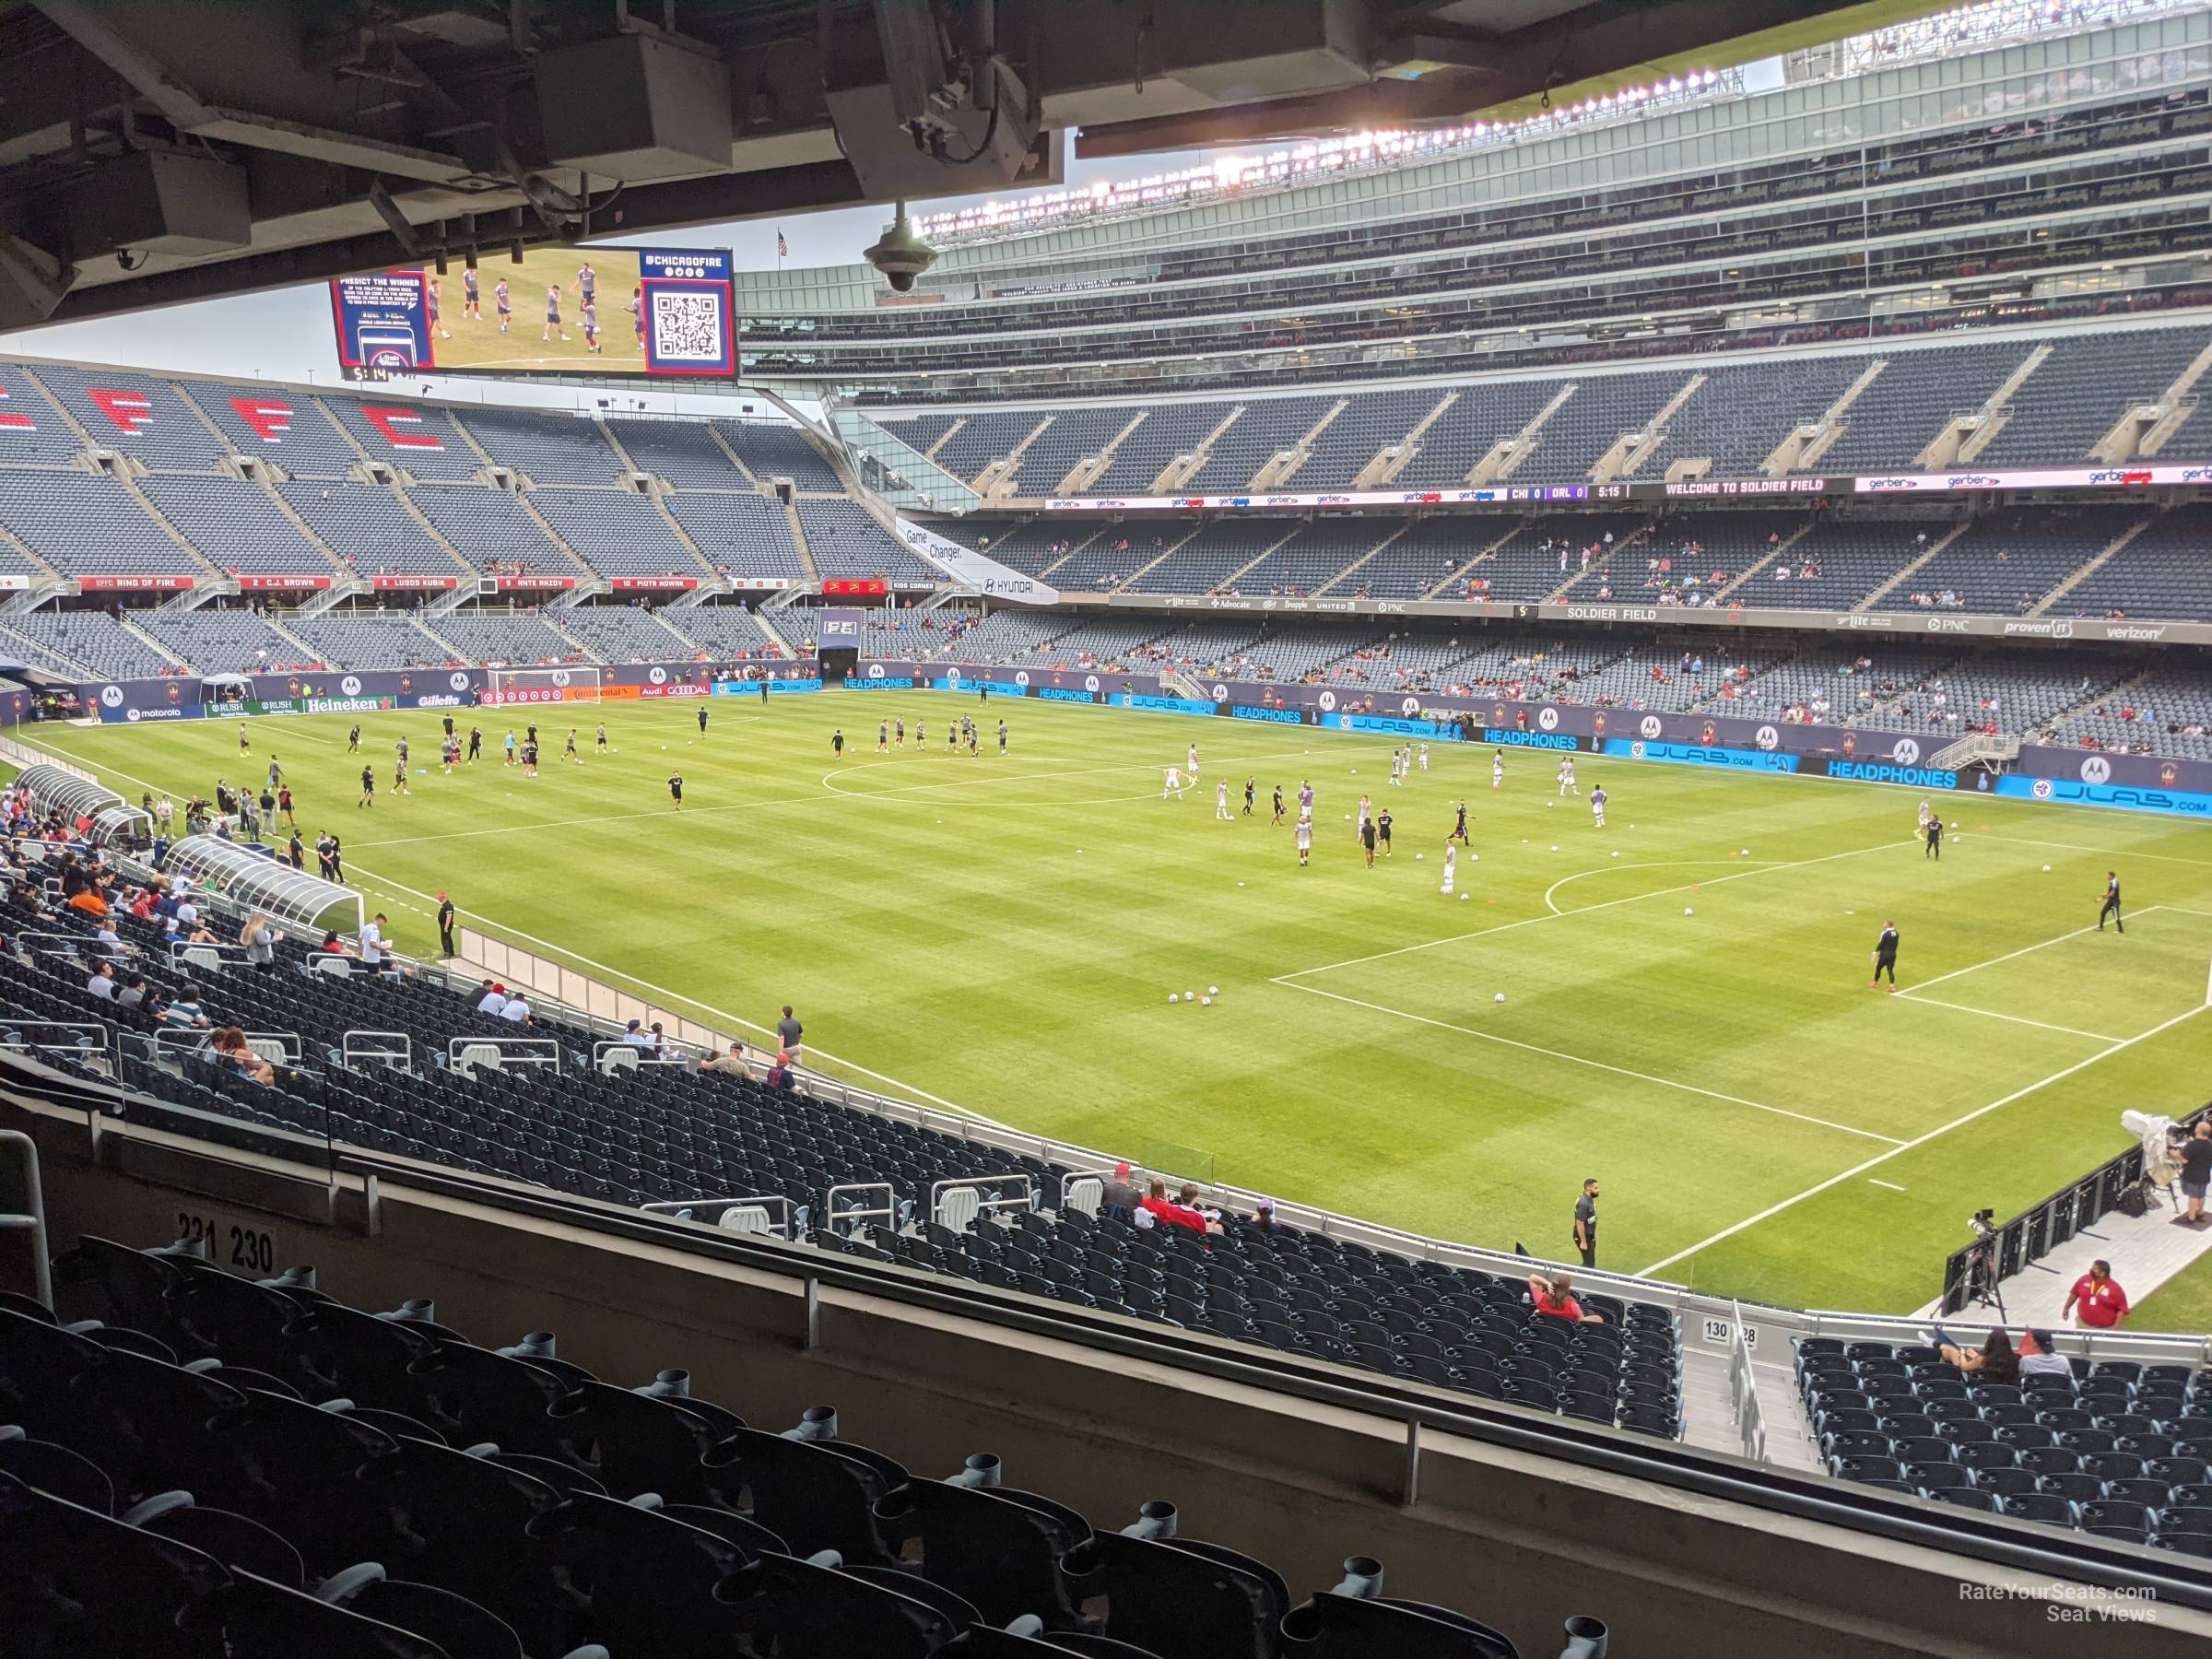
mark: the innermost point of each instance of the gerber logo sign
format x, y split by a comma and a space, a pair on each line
2096, 770
111, 696
1767, 737
1906, 753
351, 686
659, 677
1327, 700
1549, 718
1651, 727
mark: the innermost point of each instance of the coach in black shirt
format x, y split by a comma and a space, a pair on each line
1585, 1222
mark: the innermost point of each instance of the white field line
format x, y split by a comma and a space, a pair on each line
1882, 1158
2023, 841
1619, 1071
1583, 910
1936, 1002
2024, 950
1890, 1184
1657, 863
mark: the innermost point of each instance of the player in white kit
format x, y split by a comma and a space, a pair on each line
1497, 769
1221, 800
1598, 804
1366, 812
1424, 756
1451, 865
1174, 785
1398, 767
1567, 778
1194, 763
1925, 814
1305, 840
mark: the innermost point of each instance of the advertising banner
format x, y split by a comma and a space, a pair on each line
1282, 500
382, 323
974, 570
2099, 767
14, 581
775, 688
258, 583
840, 627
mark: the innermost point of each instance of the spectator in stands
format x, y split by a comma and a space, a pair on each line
132, 993
185, 1014
88, 901
1994, 1361
1263, 1216
1156, 1204
231, 1046
103, 983
260, 940
2096, 1302
1554, 1299
373, 952
731, 1064
1119, 1197
491, 997
637, 1036
788, 1033
779, 1075
517, 1011
2038, 1358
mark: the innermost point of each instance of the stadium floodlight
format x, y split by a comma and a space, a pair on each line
509, 686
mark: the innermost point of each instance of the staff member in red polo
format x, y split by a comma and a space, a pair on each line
2097, 1302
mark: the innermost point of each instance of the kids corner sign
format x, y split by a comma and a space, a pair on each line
987, 576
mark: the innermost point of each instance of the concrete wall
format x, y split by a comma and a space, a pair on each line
1514, 1538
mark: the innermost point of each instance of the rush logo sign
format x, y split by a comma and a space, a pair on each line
14, 420
132, 412
402, 428
268, 417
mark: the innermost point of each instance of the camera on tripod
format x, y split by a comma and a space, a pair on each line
1983, 1224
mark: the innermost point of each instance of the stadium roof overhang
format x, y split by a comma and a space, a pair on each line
253, 880
153, 153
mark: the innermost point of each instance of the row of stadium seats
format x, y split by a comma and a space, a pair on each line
1733, 415
2118, 1448
663, 1134
259, 1469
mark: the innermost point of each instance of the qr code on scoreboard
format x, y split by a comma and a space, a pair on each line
688, 328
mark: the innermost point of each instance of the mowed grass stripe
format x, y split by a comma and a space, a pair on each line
1009, 946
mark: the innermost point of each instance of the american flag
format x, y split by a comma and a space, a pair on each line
783, 247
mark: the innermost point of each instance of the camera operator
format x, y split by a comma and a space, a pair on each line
2195, 1155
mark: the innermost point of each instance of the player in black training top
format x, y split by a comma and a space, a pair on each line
703, 720
475, 741
2112, 903
676, 787
1250, 788
368, 788
1002, 737
1383, 830
353, 741
1459, 830
1367, 839
1934, 847
1279, 803
837, 742
1885, 956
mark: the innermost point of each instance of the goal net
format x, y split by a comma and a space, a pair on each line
541, 686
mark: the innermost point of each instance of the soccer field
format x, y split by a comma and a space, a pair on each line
1003, 932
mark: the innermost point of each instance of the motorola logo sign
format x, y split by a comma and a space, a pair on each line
132, 715
1022, 678
1412, 706
1906, 753
659, 677
1651, 727
459, 682
1090, 682
351, 686
111, 696
1767, 737
560, 676
2096, 770
875, 670
1220, 694
1548, 719
1328, 701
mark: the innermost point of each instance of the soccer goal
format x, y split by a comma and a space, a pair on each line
542, 684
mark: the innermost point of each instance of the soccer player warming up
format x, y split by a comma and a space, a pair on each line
1934, 848
1567, 778
1221, 802
1305, 840
2112, 903
1597, 806
837, 743
675, 789
1451, 867
1174, 785
1497, 769
1885, 956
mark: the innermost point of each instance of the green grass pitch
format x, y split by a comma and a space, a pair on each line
1004, 933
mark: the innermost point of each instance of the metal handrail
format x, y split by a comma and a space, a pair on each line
349, 1051
20, 1155
511, 1051
718, 1210
288, 1043
1028, 1201
1743, 1393
831, 1215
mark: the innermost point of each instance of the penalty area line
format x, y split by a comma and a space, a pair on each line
1881, 1159
1619, 1071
